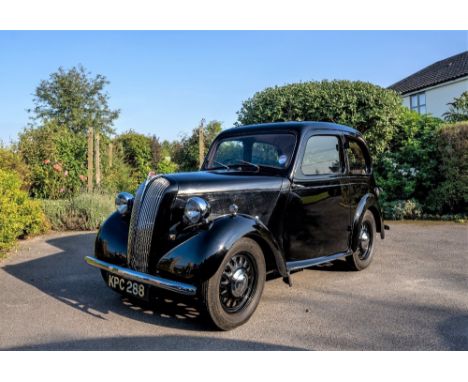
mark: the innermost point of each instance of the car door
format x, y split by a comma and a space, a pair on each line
358, 171
318, 215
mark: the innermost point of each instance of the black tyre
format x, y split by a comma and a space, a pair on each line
231, 296
362, 257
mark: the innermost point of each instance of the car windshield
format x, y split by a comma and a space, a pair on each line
271, 150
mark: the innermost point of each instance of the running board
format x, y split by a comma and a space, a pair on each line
300, 264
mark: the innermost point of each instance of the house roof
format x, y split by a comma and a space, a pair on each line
439, 72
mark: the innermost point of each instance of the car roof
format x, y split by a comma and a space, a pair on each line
300, 127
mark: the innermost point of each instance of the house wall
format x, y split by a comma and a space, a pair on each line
437, 97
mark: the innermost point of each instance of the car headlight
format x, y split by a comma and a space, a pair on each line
123, 202
196, 209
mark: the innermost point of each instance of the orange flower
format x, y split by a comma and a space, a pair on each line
57, 167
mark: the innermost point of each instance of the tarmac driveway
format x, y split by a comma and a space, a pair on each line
413, 297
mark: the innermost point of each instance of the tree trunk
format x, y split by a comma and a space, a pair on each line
90, 159
97, 158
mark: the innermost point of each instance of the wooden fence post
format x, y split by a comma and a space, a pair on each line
97, 158
109, 153
90, 159
201, 143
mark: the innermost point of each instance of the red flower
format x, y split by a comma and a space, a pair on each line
46, 161
82, 178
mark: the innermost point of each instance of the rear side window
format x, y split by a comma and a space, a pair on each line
356, 159
321, 156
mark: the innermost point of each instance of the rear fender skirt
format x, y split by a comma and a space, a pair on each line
200, 256
368, 201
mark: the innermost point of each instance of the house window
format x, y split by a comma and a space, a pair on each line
418, 103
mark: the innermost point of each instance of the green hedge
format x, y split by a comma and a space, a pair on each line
424, 174
20, 216
82, 213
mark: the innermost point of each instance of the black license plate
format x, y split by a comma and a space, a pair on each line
129, 287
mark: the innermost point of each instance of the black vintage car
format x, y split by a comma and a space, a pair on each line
270, 198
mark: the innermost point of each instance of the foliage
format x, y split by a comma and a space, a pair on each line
451, 194
136, 150
458, 109
408, 170
424, 173
372, 110
83, 212
11, 161
74, 99
118, 177
19, 215
56, 158
186, 151
402, 209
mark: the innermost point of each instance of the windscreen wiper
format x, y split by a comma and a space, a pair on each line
249, 163
222, 164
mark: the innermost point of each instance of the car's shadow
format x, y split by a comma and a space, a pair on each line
65, 276
165, 342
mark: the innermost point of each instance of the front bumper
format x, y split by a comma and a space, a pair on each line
155, 281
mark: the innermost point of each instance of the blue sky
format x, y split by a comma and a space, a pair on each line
165, 82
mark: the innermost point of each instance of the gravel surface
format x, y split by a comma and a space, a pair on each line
414, 296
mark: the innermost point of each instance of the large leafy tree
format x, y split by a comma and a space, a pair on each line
458, 109
372, 110
75, 99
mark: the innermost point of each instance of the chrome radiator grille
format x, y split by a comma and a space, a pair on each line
142, 221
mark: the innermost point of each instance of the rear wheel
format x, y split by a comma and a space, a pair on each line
362, 257
232, 294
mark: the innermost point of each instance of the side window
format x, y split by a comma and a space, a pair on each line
321, 156
356, 159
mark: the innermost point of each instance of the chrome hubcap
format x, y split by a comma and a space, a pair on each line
364, 239
365, 242
237, 282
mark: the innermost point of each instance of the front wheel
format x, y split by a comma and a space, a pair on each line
232, 294
362, 257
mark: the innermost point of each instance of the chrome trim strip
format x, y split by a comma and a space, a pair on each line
300, 264
174, 286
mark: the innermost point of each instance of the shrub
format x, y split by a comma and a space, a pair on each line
409, 169
83, 212
11, 161
372, 110
56, 158
402, 209
451, 194
19, 215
